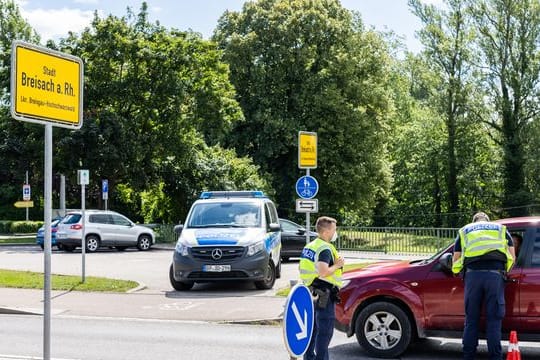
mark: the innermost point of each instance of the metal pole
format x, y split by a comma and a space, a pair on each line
106, 204
26, 182
47, 245
307, 218
62, 195
83, 240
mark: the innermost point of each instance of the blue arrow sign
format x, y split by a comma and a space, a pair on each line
105, 186
298, 320
307, 187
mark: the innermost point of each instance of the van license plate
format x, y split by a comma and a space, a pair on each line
216, 268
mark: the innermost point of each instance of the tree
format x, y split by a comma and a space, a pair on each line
311, 65
509, 35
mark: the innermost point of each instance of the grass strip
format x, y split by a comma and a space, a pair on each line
34, 280
18, 240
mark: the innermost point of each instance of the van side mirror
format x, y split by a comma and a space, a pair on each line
274, 227
446, 262
178, 229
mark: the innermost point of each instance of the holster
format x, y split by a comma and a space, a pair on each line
322, 297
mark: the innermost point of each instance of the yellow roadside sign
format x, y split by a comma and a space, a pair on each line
307, 150
46, 86
24, 204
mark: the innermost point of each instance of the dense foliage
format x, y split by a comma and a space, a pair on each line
404, 139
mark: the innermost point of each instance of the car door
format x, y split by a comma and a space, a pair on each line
293, 238
124, 232
529, 281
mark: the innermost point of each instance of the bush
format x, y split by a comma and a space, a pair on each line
5, 226
25, 227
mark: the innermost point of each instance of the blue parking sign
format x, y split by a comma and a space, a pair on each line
105, 189
298, 319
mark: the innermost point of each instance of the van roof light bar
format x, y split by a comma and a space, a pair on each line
230, 194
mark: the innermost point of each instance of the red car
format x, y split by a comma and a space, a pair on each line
390, 304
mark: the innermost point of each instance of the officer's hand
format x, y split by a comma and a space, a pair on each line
340, 262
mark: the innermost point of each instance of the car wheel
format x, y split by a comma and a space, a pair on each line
383, 330
92, 243
121, 248
179, 285
42, 246
269, 277
278, 270
144, 242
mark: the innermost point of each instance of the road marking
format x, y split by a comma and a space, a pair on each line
17, 357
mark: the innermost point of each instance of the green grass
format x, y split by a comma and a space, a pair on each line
18, 240
33, 280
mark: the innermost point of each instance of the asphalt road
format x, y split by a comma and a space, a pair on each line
114, 339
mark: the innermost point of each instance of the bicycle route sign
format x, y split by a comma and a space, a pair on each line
307, 187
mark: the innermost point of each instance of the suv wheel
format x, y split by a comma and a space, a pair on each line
383, 330
144, 242
92, 243
179, 285
269, 277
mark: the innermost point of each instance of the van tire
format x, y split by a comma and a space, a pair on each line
179, 285
394, 326
269, 277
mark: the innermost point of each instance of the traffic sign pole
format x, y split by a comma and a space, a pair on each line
47, 245
307, 218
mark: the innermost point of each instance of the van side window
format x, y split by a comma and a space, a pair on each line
271, 214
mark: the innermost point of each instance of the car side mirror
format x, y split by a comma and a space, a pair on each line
274, 227
178, 229
446, 262
301, 231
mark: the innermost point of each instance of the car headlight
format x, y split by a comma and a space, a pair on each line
255, 248
182, 248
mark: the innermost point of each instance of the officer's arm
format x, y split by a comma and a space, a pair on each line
325, 270
456, 256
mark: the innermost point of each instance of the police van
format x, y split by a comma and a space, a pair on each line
228, 235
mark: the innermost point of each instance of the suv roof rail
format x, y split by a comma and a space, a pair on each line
229, 194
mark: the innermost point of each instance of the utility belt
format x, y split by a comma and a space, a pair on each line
324, 295
500, 272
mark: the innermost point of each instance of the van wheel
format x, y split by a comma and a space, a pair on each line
92, 243
383, 330
144, 242
269, 277
179, 285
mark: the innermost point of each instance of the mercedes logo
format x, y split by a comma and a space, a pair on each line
217, 254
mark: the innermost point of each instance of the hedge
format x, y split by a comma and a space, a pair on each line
20, 227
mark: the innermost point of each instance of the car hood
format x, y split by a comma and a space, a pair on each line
383, 268
222, 236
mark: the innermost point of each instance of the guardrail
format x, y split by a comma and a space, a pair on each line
395, 240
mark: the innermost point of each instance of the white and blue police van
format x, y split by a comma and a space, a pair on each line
228, 235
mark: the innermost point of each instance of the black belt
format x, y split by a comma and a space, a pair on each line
493, 271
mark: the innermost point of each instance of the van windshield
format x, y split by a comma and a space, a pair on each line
227, 214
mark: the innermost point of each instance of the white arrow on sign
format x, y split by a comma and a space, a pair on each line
302, 323
307, 205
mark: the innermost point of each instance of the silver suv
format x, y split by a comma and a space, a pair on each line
103, 228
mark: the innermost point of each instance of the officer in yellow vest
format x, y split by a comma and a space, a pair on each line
485, 252
320, 269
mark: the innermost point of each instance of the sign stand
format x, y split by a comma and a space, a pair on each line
46, 88
307, 186
84, 179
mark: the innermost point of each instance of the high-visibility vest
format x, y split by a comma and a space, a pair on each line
478, 239
310, 255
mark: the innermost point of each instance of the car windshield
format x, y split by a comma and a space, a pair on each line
226, 214
71, 219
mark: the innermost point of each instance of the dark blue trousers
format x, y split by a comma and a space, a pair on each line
485, 288
323, 329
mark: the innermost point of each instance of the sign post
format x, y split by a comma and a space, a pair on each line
26, 193
298, 319
83, 177
105, 191
46, 88
307, 159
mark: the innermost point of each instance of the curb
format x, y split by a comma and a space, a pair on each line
137, 289
15, 311
273, 322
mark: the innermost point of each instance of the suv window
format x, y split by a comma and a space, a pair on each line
225, 214
99, 219
71, 219
120, 220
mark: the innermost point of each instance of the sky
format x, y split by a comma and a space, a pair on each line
52, 19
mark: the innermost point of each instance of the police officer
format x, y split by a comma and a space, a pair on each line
321, 269
484, 250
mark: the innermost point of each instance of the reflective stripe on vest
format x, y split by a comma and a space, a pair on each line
310, 256
480, 238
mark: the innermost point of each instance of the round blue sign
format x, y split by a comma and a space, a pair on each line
307, 187
298, 319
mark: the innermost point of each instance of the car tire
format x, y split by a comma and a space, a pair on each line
383, 330
121, 248
144, 242
179, 285
269, 277
42, 246
92, 243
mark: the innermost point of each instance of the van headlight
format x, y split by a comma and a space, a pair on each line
182, 248
255, 248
